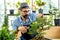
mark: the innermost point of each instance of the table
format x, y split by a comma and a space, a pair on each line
53, 33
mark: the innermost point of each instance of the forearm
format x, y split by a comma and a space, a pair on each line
23, 29
19, 28
18, 35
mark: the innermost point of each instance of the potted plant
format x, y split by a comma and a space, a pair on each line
11, 8
40, 4
5, 34
38, 26
56, 12
57, 19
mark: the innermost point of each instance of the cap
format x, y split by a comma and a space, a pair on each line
23, 5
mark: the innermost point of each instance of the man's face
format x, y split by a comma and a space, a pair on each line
24, 11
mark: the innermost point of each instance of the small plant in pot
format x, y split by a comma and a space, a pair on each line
57, 19
56, 13
11, 8
40, 4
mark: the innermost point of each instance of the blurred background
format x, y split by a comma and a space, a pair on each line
9, 10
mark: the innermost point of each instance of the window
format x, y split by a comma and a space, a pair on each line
1, 13
46, 8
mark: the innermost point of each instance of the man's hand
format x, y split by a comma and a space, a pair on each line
18, 35
23, 29
40, 15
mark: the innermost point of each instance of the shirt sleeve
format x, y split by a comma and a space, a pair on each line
34, 16
14, 26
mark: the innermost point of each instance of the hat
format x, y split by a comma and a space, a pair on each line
23, 5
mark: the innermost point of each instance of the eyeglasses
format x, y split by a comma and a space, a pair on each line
26, 11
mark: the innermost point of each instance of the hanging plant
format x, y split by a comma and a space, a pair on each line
28, 1
40, 3
18, 4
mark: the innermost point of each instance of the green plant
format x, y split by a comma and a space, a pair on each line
54, 11
40, 3
5, 34
28, 1
5, 20
40, 22
38, 26
18, 4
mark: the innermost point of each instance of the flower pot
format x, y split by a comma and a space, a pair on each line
57, 22
40, 10
11, 11
33, 11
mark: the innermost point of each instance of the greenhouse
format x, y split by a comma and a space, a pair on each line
29, 19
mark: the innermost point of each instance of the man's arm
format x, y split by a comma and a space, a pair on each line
23, 29
40, 16
17, 29
20, 30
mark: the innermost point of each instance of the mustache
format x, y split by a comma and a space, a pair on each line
25, 16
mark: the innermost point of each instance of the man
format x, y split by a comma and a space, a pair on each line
22, 22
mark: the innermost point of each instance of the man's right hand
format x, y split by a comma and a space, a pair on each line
23, 29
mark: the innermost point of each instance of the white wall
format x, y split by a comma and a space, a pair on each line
1, 13
59, 4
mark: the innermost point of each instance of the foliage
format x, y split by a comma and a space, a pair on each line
18, 4
38, 27
5, 34
28, 1
55, 11
40, 3
39, 23
5, 21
